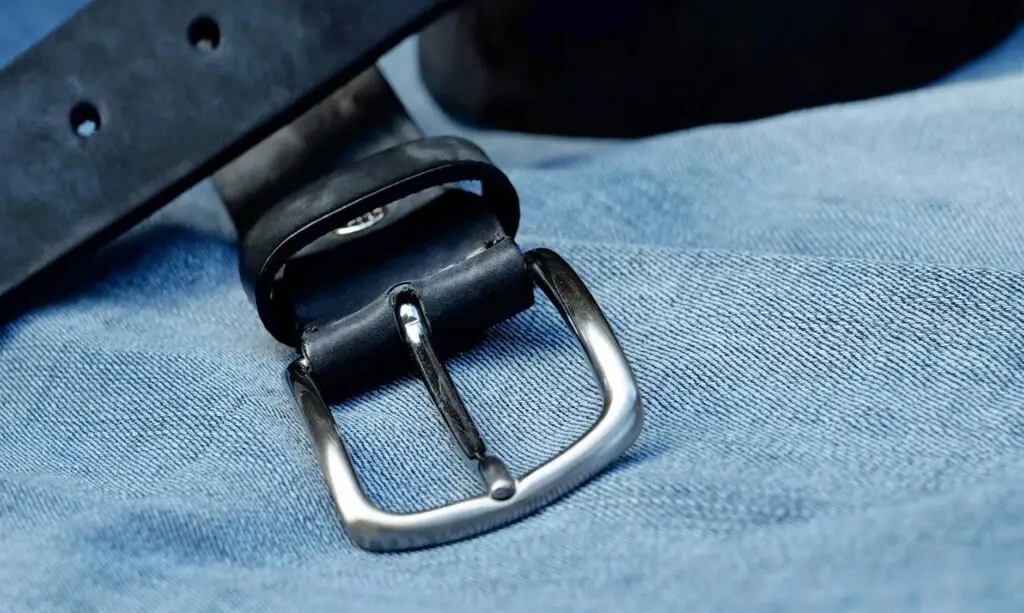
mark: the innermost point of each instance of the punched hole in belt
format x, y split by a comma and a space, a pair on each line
204, 33
85, 119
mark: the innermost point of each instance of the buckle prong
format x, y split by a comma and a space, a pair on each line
500, 483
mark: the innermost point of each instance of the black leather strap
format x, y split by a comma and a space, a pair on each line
361, 118
374, 182
334, 296
178, 88
466, 273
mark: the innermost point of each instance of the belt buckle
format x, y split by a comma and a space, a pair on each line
507, 499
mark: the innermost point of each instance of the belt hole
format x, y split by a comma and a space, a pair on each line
85, 119
204, 33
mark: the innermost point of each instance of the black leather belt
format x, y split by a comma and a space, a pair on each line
371, 255
131, 102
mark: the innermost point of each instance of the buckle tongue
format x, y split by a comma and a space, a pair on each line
500, 484
507, 499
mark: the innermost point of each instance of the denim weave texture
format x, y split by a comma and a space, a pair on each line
825, 312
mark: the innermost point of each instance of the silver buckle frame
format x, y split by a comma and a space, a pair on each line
507, 499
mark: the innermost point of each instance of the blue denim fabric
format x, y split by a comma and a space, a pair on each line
825, 311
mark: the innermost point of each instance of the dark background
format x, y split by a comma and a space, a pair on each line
628, 68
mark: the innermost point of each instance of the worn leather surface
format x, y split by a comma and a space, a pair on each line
363, 348
170, 112
361, 118
452, 248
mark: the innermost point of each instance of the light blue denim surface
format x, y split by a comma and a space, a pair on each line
825, 311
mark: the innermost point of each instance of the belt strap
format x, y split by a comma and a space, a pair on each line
131, 102
452, 251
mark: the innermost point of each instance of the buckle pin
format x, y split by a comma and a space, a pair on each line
500, 483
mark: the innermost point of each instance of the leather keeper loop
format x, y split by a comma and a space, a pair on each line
371, 183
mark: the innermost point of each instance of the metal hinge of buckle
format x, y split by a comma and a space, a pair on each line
507, 498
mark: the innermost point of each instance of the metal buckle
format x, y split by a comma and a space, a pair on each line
507, 499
